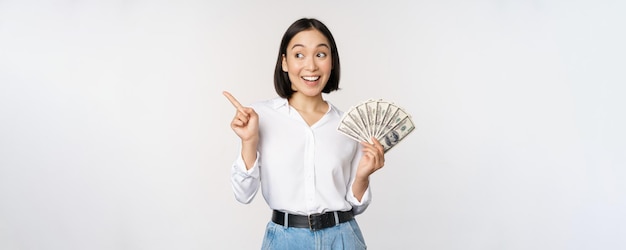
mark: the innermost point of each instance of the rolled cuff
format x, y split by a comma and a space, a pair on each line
245, 182
359, 207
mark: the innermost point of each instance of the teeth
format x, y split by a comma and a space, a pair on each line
311, 78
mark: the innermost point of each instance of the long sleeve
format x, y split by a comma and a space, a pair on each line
245, 182
357, 206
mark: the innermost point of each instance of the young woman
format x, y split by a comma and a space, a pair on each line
313, 177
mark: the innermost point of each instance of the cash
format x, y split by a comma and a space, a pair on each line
383, 120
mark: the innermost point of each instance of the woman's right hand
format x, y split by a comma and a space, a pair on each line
246, 121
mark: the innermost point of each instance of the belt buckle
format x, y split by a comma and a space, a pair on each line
314, 221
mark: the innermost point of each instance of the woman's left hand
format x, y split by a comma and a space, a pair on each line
372, 160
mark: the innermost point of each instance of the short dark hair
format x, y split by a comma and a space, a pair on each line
282, 84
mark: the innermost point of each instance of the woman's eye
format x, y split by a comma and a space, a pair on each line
299, 55
321, 54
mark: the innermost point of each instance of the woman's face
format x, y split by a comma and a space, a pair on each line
308, 62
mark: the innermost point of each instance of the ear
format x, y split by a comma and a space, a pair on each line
284, 63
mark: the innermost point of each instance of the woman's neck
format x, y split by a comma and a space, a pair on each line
310, 108
308, 104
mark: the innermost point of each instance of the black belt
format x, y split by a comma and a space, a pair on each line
313, 221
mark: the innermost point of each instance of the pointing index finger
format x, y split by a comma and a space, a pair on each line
232, 100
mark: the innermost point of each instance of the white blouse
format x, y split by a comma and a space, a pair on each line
302, 169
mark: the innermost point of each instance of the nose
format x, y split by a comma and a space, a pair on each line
311, 64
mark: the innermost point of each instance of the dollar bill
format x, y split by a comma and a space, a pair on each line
370, 108
398, 115
377, 118
356, 118
381, 111
362, 111
391, 111
397, 133
350, 129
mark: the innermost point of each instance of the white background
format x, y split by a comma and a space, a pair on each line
114, 133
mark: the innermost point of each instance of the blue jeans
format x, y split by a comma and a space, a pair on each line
346, 235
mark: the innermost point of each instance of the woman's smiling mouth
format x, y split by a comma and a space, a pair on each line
311, 78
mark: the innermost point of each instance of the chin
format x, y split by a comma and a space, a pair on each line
313, 92
308, 91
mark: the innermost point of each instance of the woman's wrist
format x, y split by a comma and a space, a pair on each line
362, 179
359, 186
249, 151
250, 142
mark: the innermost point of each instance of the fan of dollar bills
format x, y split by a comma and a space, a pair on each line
380, 119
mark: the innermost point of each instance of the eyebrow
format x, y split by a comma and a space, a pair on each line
319, 45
